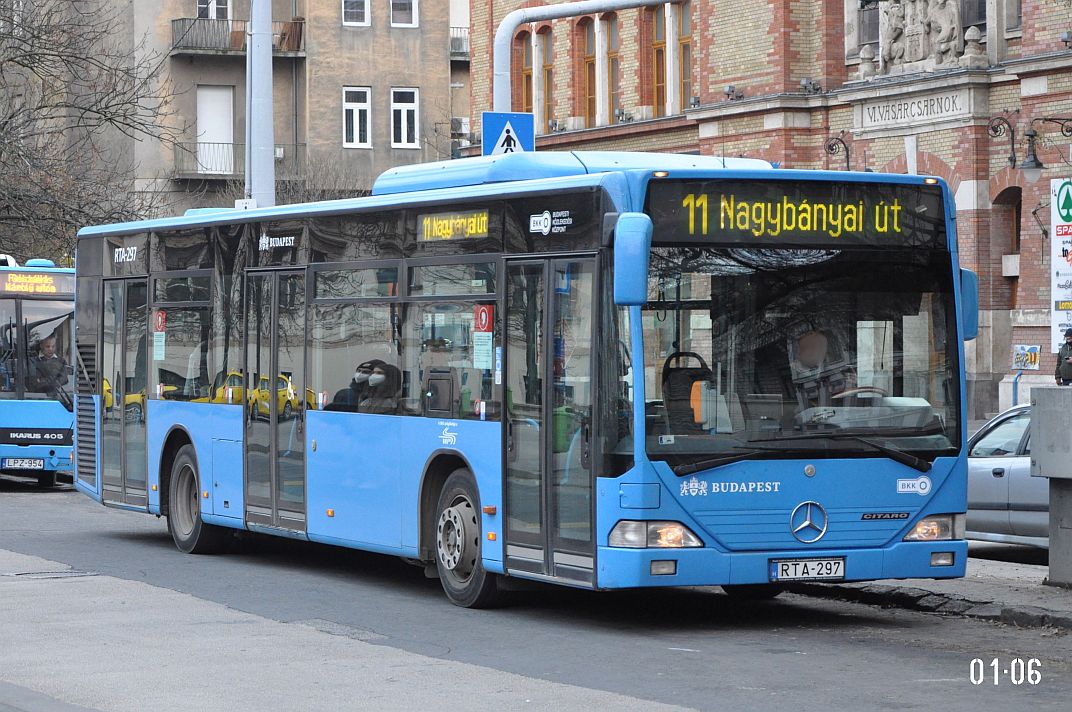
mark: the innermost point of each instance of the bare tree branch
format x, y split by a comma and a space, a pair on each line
75, 93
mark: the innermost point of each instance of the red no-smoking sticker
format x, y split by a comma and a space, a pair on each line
160, 320
483, 318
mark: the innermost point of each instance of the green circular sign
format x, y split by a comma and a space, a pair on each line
1064, 201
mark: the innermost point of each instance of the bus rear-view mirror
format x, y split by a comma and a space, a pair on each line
632, 244
969, 300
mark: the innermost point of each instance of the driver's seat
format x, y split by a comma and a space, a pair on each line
679, 383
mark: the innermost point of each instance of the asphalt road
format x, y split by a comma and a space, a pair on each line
692, 648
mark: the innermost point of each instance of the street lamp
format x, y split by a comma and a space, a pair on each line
835, 145
1031, 165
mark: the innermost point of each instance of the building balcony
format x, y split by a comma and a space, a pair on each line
200, 160
192, 36
459, 44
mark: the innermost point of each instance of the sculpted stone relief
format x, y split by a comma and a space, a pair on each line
919, 36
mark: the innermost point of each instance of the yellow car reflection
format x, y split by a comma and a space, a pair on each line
286, 398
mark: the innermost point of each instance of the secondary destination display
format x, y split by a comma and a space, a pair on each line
797, 214
452, 226
36, 283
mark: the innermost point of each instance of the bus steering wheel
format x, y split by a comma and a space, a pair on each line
858, 390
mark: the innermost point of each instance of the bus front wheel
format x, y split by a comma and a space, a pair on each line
457, 545
190, 533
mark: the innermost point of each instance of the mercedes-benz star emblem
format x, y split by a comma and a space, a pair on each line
808, 522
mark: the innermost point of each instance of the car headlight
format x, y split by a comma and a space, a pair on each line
654, 535
937, 527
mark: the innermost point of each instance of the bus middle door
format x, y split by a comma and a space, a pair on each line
550, 308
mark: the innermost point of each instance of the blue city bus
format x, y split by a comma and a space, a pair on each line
604, 370
36, 403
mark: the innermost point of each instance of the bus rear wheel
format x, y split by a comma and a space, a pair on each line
457, 545
190, 533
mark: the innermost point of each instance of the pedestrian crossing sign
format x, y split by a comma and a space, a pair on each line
505, 132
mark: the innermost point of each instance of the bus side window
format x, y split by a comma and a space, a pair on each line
449, 359
353, 357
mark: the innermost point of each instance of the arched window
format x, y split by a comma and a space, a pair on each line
547, 74
589, 73
684, 43
526, 73
522, 93
658, 59
614, 80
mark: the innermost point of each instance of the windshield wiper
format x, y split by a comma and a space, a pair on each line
900, 456
713, 462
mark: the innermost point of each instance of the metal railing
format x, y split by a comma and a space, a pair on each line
459, 43
206, 160
192, 34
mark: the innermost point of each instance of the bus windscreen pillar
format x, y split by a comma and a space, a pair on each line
1051, 457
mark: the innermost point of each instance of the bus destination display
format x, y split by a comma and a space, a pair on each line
797, 213
36, 283
462, 225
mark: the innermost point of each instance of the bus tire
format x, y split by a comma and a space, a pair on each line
458, 545
753, 591
46, 480
190, 533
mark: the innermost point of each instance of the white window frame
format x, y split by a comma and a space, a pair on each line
416, 108
211, 7
416, 16
368, 14
357, 108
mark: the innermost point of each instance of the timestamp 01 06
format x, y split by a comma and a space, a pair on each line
1017, 671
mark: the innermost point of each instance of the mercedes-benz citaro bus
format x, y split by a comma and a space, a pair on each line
604, 370
36, 405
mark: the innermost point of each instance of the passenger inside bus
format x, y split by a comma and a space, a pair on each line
385, 387
350, 398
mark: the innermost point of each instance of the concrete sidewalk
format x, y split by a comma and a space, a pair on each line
1013, 593
77, 640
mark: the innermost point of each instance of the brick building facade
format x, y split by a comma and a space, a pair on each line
908, 86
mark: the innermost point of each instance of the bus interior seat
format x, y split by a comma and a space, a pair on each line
678, 391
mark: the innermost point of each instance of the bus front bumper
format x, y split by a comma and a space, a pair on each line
633, 568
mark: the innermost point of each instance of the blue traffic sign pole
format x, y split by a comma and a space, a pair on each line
505, 132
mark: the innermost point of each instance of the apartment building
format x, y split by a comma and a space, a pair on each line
952, 88
359, 86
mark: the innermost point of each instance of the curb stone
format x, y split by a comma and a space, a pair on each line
917, 599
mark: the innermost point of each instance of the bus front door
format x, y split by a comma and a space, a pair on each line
550, 308
124, 467
275, 400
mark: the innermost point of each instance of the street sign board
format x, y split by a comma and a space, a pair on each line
505, 132
1060, 260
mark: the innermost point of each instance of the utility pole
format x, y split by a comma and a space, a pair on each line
260, 129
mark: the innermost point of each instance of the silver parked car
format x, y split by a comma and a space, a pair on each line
1005, 503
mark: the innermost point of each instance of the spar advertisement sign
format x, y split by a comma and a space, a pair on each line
1060, 260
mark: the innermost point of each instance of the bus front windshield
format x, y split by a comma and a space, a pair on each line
779, 352
35, 338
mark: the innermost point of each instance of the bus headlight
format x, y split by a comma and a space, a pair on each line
937, 527
655, 535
